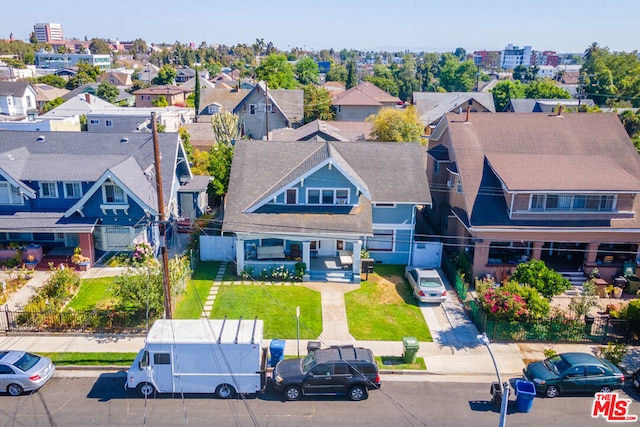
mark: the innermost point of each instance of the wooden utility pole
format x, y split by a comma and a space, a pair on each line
162, 224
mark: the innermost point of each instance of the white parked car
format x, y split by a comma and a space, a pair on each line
426, 284
22, 371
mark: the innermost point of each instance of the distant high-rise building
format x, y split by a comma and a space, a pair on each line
512, 56
48, 32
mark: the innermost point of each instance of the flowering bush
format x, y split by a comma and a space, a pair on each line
142, 253
501, 303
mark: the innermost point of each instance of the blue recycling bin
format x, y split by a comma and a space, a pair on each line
276, 349
525, 392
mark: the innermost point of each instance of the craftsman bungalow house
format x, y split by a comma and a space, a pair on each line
61, 190
322, 202
563, 188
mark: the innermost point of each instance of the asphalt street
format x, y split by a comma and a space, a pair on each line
102, 401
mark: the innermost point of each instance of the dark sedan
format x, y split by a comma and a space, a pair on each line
574, 373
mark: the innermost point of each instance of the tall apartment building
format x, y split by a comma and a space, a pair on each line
48, 32
512, 56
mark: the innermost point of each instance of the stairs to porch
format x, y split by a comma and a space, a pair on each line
335, 276
577, 279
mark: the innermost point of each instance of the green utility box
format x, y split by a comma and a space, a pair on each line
411, 347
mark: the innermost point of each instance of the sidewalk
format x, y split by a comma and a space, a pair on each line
454, 355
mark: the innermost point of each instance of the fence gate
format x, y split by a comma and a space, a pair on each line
427, 254
217, 248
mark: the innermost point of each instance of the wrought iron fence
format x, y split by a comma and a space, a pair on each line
75, 321
454, 277
599, 330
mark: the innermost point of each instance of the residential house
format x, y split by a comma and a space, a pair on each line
526, 105
563, 188
46, 93
359, 102
96, 191
148, 73
218, 100
322, 203
204, 84
79, 105
263, 110
321, 130
431, 106
116, 78
201, 134
135, 119
184, 74
175, 95
124, 98
17, 100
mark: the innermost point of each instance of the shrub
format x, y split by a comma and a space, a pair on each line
537, 305
633, 310
142, 253
549, 352
536, 274
501, 303
614, 353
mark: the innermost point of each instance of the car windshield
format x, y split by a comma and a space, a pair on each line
308, 362
557, 364
428, 282
26, 362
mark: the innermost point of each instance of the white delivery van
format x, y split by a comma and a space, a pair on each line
224, 357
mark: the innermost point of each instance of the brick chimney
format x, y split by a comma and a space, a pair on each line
87, 98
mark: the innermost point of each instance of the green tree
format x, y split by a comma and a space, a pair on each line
186, 140
351, 75
536, 274
394, 125
199, 161
108, 92
196, 97
52, 80
456, 76
307, 71
277, 72
99, 46
406, 80
545, 89
460, 53
506, 90
52, 104
317, 104
138, 48
337, 73
166, 76
160, 101
226, 127
588, 299
220, 158
87, 73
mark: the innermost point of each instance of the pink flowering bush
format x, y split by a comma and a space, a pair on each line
501, 303
142, 253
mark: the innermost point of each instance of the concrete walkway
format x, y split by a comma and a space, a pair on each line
335, 328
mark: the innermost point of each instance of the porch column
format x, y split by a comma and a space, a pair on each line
357, 247
239, 257
480, 257
592, 253
85, 242
536, 252
306, 256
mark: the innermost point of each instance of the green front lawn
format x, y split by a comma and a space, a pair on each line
395, 362
93, 293
384, 309
91, 359
276, 305
189, 305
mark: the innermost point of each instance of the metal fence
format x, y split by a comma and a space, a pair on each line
599, 330
450, 271
75, 321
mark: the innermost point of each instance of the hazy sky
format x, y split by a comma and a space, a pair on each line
417, 25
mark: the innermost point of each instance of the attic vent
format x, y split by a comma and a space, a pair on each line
40, 138
124, 140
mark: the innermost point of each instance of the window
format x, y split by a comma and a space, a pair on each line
382, 240
342, 197
537, 202
48, 190
6, 370
593, 371
94, 122
291, 196
161, 359
108, 123
341, 369
313, 197
113, 193
384, 205
252, 108
72, 190
323, 370
10, 195
327, 197
572, 202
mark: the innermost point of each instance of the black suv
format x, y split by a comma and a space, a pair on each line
336, 370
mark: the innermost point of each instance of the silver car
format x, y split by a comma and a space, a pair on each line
426, 284
21, 371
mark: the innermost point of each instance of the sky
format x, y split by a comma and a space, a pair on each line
415, 25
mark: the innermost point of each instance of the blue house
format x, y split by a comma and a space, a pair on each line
321, 203
96, 191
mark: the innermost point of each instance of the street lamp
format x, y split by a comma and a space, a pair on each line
504, 387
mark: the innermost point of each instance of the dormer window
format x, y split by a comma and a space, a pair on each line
10, 195
113, 194
291, 196
48, 190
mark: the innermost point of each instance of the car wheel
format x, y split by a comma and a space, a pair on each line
14, 390
293, 393
357, 392
606, 389
225, 391
552, 391
146, 389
